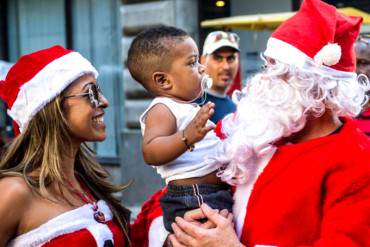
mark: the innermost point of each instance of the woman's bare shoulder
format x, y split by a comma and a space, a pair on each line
15, 197
14, 190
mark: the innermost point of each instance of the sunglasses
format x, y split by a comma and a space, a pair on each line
93, 93
218, 35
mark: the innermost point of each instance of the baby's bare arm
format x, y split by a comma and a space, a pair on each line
163, 142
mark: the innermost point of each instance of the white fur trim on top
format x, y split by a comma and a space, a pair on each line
288, 54
68, 222
45, 86
157, 233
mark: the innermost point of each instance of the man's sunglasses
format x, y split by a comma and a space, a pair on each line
93, 93
218, 35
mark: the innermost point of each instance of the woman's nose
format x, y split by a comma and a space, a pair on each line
104, 103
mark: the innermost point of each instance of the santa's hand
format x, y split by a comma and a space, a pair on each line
189, 234
195, 216
198, 128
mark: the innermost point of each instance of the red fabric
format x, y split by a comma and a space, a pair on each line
22, 72
76, 239
150, 210
16, 130
218, 130
347, 31
237, 83
363, 121
315, 193
315, 25
84, 238
118, 236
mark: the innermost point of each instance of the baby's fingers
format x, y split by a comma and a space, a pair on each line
205, 113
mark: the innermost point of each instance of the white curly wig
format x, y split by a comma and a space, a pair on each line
275, 104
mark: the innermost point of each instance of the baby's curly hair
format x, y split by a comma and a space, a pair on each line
150, 51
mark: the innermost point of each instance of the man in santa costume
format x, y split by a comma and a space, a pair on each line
299, 163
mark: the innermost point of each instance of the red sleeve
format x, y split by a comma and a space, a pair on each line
346, 211
151, 209
346, 215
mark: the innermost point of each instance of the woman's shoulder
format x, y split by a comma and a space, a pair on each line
14, 190
15, 198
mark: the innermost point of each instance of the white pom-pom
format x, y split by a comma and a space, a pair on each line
329, 55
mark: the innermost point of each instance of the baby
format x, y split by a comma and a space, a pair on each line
177, 133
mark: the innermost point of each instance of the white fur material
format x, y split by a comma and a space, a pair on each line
275, 104
68, 222
243, 193
329, 55
157, 233
288, 54
47, 84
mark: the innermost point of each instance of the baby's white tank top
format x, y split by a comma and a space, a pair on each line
189, 164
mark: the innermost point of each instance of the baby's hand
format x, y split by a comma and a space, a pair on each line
197, 128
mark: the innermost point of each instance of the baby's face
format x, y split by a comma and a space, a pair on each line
186, 72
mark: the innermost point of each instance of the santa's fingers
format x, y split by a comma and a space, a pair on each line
194, 215
181, 236
215, 217
209, 224
173, 242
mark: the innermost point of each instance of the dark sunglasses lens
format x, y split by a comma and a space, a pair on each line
94, 95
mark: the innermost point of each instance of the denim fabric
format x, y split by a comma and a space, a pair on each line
181, 198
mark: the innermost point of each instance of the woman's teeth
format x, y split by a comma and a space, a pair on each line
98, 120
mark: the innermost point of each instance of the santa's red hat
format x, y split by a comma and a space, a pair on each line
37, 78
317, 38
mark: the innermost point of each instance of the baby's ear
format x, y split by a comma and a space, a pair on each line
161, 80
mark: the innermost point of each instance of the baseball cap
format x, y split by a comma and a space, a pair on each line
217, 39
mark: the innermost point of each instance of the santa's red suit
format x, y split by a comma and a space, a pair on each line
363, 121
315, 193
74, 228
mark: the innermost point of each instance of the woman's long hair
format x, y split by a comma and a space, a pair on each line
36, 155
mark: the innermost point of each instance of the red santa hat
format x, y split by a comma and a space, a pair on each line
317, 37
37, 78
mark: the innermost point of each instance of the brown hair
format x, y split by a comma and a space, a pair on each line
36, 156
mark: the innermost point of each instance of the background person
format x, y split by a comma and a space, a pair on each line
221, 60
362, 48
53, 191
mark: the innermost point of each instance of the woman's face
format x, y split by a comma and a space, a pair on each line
84, 111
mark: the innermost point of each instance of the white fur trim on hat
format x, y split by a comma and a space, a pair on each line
328, 55
47, 84
288, 54
66, 223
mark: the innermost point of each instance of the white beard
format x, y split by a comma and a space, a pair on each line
269, 110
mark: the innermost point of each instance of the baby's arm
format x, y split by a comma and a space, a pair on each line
163, 141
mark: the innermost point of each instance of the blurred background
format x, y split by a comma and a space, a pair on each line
102, 30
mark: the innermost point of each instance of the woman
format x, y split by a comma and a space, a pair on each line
53, 191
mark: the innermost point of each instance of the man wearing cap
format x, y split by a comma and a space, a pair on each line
299, 163
362, 48
221, 59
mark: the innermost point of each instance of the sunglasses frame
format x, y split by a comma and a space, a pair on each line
94, 97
